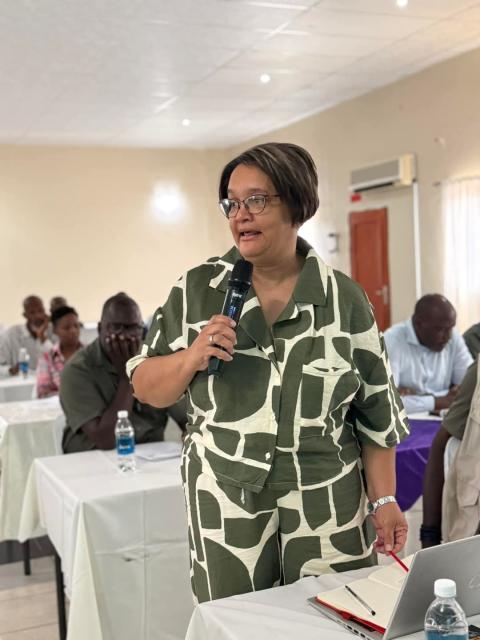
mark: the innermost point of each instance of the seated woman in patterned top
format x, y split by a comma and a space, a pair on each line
67, 327
289, 445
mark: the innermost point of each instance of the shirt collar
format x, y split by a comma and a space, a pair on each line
312, 280
26, 333
56, 353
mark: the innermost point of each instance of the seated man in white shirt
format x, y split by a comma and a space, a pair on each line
428, 356
34, 336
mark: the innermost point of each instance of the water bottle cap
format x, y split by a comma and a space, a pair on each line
445, 588
122, 414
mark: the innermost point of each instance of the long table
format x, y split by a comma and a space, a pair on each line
17, 388
122, 540
412, 456
411, 460
281, 613
28, 429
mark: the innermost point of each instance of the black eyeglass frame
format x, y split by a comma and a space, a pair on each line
122, 327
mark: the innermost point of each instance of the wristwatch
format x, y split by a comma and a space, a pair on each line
373, 506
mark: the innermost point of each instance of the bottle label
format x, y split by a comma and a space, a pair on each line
23, 367
125, 446
439, 635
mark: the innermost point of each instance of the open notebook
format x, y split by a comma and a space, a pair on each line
400, 599
380, 590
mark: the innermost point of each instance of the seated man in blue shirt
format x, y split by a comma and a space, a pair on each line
428, 356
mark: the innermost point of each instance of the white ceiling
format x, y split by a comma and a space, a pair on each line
127, 72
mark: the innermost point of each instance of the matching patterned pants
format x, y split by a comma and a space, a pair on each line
242, 541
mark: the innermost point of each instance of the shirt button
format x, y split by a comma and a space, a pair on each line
268, 455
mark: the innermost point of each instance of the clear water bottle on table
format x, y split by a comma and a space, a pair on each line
125, 442
23, 362
445, 618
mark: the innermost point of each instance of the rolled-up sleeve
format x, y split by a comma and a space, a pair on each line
380, 417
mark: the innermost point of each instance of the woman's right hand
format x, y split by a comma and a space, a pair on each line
218, 332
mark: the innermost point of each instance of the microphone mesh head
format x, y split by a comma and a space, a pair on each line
242, 271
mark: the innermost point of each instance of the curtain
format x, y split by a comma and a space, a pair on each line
461, 230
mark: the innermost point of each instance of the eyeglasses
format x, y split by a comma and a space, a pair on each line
253, 204
119, 327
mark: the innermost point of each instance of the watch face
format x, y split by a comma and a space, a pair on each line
370, 508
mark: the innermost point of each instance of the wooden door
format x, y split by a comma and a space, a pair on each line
369, 259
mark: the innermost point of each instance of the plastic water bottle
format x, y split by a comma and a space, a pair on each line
445, 618
23, 361
125, 442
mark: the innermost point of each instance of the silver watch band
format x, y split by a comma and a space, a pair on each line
373, 506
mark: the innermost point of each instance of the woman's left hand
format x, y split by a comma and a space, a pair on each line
391, 528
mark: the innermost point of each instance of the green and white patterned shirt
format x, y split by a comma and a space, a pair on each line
296, 403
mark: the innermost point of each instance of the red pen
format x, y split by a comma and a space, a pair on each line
397, 559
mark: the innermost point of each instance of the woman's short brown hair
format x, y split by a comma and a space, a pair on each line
291, 170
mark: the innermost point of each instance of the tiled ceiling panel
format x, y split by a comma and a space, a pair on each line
129, 72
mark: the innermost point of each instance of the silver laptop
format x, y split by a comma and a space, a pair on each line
459, 560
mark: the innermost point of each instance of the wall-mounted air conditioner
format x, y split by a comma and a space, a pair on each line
400, 172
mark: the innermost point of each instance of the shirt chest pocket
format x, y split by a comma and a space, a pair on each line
325, 391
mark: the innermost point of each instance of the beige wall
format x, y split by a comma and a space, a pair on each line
78, 222
434, 114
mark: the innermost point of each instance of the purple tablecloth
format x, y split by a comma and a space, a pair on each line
412, 456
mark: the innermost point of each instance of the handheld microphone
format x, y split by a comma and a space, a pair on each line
238, 286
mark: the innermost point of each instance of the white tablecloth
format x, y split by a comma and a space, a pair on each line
17, 388
281, 614
123, 543
28, 430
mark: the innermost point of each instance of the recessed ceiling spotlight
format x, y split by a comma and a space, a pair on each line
265, 78
401, 4
186, 122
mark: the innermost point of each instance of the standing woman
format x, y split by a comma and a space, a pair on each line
66, 327
291, 446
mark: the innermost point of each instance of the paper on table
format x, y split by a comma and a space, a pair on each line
380, 590
424, 415
158, 451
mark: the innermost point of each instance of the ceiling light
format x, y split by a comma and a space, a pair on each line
265, 78
401, 4
186, 122
277, 5
164, 105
